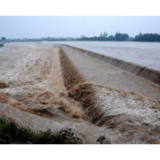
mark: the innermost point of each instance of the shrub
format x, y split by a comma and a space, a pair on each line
1, 44
101, 139
11, 133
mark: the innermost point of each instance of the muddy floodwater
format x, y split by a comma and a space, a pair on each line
48, 86
146, 54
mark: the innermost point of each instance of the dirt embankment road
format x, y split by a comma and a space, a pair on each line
44, 87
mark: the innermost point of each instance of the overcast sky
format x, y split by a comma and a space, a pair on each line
75, 26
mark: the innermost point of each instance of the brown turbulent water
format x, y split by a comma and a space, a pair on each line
41, 89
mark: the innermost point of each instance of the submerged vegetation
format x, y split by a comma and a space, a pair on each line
11, 133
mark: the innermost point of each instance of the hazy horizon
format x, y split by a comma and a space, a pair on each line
76, 26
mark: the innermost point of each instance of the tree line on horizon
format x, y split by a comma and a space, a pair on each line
104, 37
147, 37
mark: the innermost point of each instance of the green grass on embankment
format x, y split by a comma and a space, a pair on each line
11, 133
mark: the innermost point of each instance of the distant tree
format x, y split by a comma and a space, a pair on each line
111, 38
3, 38
105, 34
121, 37
148, 37
82, 36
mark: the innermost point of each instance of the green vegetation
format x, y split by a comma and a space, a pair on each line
101, 139
104, 37
11, 133
1, 44
3, 38
2, 41
148, 37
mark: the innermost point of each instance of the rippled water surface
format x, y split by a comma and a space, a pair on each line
145, 54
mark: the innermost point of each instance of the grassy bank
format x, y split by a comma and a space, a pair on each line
11, 133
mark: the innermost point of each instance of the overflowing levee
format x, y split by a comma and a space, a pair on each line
133, 117
104, 102
144, 72
71, 76
40, 101
3, 84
